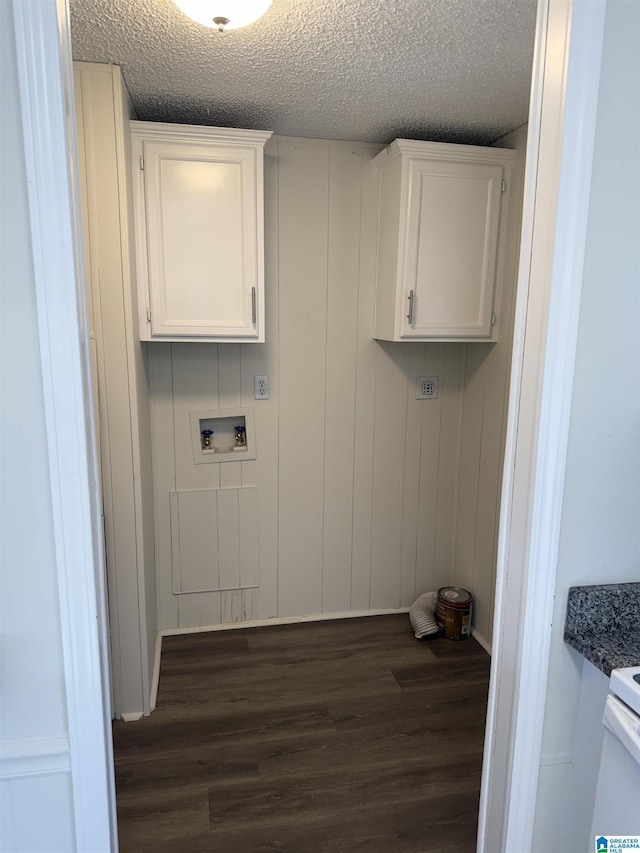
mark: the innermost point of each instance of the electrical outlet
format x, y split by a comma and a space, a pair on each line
260, 387
427, 388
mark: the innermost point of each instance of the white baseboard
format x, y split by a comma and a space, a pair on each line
131, 718
477, 636
281, 620
155, 676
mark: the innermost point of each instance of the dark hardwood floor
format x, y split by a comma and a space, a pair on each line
322, 737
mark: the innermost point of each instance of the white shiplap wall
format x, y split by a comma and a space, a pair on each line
120, 387
484, 411
356, 478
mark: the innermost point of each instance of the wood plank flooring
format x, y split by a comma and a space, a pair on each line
323, 737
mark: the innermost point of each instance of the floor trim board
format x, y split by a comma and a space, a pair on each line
155, 676
477, 636
280, 620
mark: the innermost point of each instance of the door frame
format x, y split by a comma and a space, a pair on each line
559, 155
562, 122
43, 53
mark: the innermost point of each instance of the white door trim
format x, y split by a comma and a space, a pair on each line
46, 95
557, 184
565, 87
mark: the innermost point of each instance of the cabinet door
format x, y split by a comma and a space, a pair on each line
450, 249
202, 241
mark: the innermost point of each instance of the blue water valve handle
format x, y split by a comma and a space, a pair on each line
206, 438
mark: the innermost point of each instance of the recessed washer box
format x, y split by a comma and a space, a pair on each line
223, 447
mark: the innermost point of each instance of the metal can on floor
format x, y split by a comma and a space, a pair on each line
453, 612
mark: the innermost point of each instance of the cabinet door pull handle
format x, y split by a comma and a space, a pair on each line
410, 297
253, 305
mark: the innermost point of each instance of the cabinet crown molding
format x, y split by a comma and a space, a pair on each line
416, 149
199, 133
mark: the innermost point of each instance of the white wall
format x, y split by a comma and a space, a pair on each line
120, 381
357, 480
34, 760
600, 536
484, 413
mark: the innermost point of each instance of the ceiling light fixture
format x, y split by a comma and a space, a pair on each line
224, 15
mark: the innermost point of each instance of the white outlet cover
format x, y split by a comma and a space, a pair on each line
260, 387
426, 388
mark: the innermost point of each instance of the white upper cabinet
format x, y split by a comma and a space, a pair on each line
199, 232
440, 237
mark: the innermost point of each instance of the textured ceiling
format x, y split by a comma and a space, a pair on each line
369, 70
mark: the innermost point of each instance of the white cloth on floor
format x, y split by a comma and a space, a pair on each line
423, 615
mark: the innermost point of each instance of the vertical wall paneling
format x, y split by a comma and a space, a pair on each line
426, 570
164, 476
79, 98
229, 394
484, 408
138, 375
214, 540
448, 455
345, 181
194, 536
416, 413
174, 527
257, 361
229, 538
122, 389
231, 608
84, 95
365, 390
360, 491
463, 568
490, 477
303, 245
195, 386
248, 507
516, 140
54, 830
388, 467
97, 138
197, 609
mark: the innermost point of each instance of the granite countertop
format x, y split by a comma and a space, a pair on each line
603, 624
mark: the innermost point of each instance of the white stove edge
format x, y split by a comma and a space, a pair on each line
623, 685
